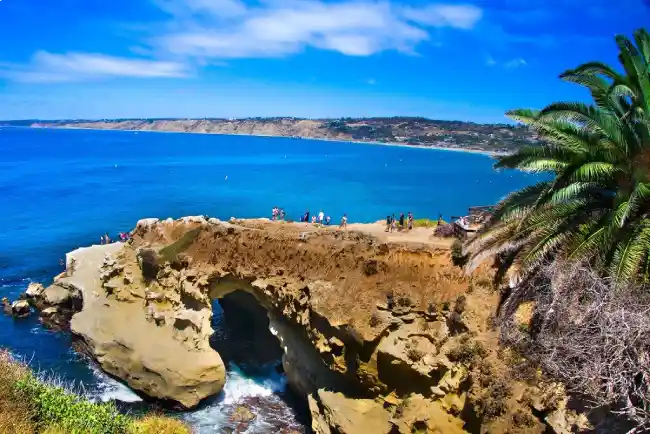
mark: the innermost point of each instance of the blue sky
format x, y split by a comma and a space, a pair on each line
306, 58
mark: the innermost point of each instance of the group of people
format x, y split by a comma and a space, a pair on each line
323, 220
277, 213
317, 219
404, 222
105, 239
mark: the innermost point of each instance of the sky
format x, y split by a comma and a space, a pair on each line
469, 60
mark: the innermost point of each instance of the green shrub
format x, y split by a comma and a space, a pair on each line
56, 406
30, 405
458, 258
467, 352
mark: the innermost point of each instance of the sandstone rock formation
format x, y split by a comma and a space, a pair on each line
378, 337
113, 318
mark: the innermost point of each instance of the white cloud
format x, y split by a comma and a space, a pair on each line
275, 28
515, 63
189, 8
442, 15
208, 32
49, 67
371, 81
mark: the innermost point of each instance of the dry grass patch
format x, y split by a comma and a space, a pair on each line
156, 424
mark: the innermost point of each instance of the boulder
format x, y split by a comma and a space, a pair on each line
20, 308
335, 413
242, 414
63, 296
34, 290
146, 223
420, 415
6, 306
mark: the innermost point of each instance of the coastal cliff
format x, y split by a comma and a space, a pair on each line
377, 337
490, 138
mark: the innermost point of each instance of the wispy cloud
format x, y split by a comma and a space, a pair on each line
516, 62
209, 32
442, 15
225, 29
49, 67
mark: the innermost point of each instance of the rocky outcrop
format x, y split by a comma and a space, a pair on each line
334, 413
404, 348
20, 309
114, 320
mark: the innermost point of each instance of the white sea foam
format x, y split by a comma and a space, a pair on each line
238, 387
109, 389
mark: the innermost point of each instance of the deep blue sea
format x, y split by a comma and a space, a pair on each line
62, 189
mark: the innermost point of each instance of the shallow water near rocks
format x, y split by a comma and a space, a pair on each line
62, 189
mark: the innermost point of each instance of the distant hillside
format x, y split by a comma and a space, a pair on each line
498, 138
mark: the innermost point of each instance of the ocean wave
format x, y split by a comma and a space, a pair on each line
238, 389
109, 389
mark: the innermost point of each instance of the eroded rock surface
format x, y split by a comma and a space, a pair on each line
153, 357
379, 337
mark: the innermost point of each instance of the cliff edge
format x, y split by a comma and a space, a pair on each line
379, 337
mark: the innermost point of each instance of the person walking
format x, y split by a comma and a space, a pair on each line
388, 222
321, 217
393, 223
410, 221
344, 222
401, 222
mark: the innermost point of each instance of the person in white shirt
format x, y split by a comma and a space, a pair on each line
321, 216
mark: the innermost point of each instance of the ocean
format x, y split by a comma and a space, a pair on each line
62, 189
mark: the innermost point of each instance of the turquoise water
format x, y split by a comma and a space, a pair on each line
61, 189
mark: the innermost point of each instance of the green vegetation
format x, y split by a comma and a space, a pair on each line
427, 223
458, 257
29, 405
596, 206
171, 252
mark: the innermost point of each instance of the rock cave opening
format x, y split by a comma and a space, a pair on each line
253, 357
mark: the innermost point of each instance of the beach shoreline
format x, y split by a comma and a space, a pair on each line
322, 139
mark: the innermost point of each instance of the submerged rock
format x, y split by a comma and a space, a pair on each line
6, 306
20, 309
242, 414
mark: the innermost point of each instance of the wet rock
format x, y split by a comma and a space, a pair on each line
6, 306
242, 414
20, 309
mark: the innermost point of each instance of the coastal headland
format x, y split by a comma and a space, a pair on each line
379, 334
406, 131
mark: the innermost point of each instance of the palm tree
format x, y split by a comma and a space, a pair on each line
596, 205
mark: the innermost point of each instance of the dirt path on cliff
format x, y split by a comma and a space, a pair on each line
378, 230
